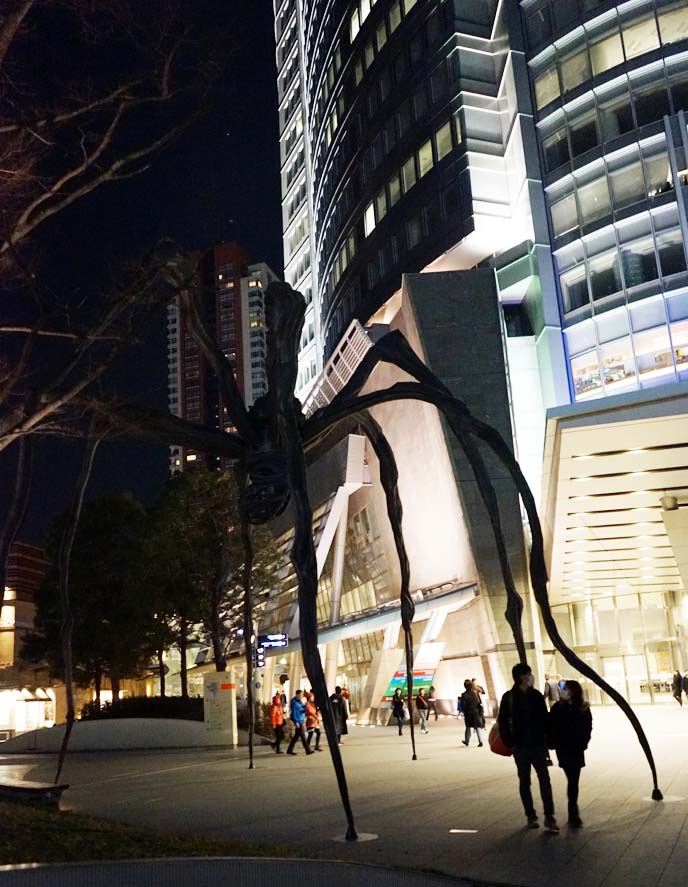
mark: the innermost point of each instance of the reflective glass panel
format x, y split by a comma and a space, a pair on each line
673, 22
653, 354
606, 53
546, 87
593, 200
640, 36
564, 215
575, 69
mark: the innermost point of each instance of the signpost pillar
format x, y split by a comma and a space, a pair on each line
219, 706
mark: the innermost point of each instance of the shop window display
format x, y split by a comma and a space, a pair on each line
653, 355
618, 366
679, 340
585, 370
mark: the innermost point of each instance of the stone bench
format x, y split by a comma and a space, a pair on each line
31, 792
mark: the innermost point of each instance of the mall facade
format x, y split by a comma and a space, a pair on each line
506, 183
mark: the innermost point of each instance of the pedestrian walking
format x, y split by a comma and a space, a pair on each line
422, 709
473, 713
297, 714
277, 721
677, 687
432, 702
570, 729
478, 689
685, 683
522, 722
312, 721
340, 711
551, 690
398, 708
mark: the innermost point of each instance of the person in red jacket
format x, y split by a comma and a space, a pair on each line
312, 721
277, 720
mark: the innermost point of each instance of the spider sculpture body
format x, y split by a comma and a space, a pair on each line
271, 449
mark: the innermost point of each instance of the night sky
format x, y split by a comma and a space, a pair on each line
219, 182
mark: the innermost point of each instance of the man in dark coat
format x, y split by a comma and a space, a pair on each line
472, 712
340, 711
522, 724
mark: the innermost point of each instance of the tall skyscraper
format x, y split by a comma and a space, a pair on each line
232, 306
546, 139
538, 152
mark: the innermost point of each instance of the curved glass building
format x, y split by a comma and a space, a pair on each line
404, 124
610, 89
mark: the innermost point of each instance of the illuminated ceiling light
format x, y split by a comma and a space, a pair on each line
646, 558
635, 452
636, 474
583, 456
579, 499
578, 480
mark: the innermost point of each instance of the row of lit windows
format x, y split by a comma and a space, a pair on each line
295, 166
416, 166
308, 373
298, 234
293, 134
630, 256
615, 182
303, 265
608, 46
384, 30
329, 80
652, 357
622, 106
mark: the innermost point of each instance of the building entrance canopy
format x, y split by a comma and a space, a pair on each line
608, 470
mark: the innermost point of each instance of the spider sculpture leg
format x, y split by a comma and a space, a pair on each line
284, 321
396, 350
389, 476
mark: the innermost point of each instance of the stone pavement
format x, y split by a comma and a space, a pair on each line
455, 811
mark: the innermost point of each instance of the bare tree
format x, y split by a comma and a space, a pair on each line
141, 80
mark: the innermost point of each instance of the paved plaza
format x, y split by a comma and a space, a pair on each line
455, 810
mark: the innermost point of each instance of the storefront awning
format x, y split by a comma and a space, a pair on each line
607, 467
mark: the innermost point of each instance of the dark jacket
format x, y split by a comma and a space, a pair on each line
422, 703
685, 684
569, 733
398, 706
677, 685
472, 709
339, 710
522, 718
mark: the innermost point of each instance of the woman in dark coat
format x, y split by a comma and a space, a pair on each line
570, 728
472, 713
398, 708
677, 687
340, 710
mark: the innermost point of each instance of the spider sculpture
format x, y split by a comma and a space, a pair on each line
272, 447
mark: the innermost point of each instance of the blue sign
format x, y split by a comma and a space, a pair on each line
271, 641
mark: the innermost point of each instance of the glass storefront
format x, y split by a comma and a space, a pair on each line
635, 641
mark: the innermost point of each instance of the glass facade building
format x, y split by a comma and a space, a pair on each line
610, 89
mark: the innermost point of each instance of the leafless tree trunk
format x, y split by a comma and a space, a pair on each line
63, 565
183, 645
161, 667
